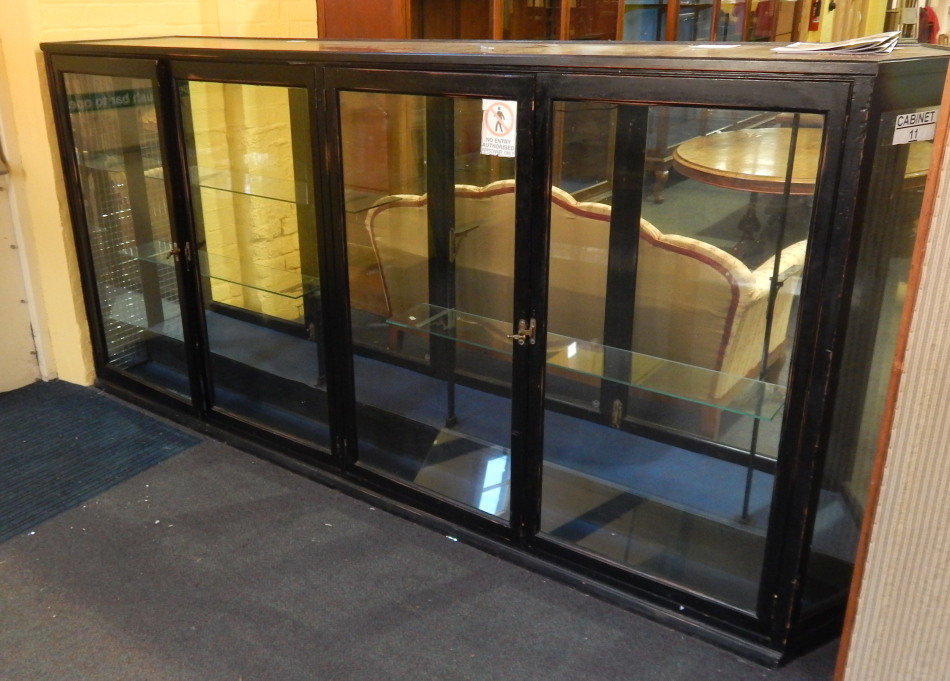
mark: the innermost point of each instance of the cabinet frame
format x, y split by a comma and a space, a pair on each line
848, 95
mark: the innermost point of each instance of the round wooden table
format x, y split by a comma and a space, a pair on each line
756, 160
752, 159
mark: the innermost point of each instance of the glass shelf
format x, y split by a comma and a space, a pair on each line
748, 397
285, 283
261, 186
358, 201
115, 162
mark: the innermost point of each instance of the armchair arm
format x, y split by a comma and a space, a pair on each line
792, 260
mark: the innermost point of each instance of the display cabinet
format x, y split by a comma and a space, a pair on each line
443, 274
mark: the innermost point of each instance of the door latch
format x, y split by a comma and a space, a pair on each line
525, 332
176, 251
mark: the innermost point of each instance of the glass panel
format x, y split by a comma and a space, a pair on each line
763, 15
890, 223
695, 20
585, 158
732, 17
248, 152
430, 250
644, 20
115, 130
667, 344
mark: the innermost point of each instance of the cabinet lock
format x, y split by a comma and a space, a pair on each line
176, 251
525, 332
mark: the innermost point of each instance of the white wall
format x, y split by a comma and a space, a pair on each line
18, 363
18, 356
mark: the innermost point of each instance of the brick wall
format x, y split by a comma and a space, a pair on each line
243, 149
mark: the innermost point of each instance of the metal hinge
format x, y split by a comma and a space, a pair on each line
616, 414
176, 251
525, 332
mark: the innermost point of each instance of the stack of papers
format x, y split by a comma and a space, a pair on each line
880, 43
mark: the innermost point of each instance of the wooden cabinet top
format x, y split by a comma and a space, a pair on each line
742, 58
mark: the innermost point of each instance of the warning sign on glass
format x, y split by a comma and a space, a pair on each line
499, 123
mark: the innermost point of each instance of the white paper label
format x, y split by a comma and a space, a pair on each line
499, 123
915, 127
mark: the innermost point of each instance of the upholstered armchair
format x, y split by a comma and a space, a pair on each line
694, 304
481, 244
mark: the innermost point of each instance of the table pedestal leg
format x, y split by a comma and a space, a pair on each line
749, 227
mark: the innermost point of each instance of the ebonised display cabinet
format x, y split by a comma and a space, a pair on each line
622, 313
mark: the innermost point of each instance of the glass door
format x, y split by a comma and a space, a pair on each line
671, 311
124, 223
250, 173
431, 190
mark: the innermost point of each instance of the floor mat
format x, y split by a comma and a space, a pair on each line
61, 444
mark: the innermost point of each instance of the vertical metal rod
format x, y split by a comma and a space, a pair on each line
770, 311
627, 200
440, 188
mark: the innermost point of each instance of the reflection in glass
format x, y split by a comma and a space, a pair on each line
248, 151
755, 20
764, 16
592, 20
448, 19
115, 131
732, 19
644, 20
695, 20
532, 20
560, 20
430, 251
671, 313
897, 184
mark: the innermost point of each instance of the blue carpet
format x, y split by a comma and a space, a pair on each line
652, 470
61, 444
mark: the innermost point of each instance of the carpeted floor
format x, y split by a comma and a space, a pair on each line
216, 565
61, 444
